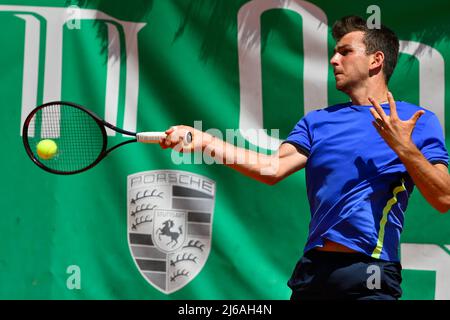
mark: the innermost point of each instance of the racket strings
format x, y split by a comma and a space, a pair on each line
79, 138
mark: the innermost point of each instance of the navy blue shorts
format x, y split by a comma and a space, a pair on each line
321, 275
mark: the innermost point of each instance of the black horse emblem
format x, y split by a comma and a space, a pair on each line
166, 230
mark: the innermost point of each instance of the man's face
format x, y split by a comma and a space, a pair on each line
350, 62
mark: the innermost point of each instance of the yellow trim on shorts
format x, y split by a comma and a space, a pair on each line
377, 251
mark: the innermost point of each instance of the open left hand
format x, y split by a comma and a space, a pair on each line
397, 133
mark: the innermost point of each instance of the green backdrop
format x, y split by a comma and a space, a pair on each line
183, 66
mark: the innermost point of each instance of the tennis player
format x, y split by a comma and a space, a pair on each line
362, 160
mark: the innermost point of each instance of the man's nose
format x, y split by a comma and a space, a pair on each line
335, 59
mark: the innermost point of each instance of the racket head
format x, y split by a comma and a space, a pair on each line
79, 134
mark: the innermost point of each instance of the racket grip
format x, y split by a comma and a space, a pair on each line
153, 137
150, 137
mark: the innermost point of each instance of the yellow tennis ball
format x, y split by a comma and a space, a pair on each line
46, 149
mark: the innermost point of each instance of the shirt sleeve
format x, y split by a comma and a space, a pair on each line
300, 137
433, 143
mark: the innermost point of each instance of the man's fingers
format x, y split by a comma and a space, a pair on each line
374, 114
162, 143
379, 109
379, 129
392, 105
170, 130
175, 138
380, 123
416, 116
172, 136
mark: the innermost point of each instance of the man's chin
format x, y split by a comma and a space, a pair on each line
340, 86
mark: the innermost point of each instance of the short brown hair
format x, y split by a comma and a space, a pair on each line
382, 39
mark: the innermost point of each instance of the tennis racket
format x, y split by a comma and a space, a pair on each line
78, 135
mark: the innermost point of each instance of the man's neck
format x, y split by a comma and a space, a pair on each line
360, 96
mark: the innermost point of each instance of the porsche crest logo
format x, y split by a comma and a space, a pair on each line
169, 229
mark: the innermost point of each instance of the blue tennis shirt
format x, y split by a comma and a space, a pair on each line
358, 189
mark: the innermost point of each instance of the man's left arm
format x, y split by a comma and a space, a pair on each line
433, 181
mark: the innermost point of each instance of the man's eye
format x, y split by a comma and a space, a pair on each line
345, 52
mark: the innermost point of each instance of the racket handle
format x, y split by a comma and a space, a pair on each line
149, 137
153, 137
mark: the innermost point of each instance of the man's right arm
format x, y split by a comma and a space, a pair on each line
268, 169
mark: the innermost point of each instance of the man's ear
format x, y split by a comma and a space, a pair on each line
376, 60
